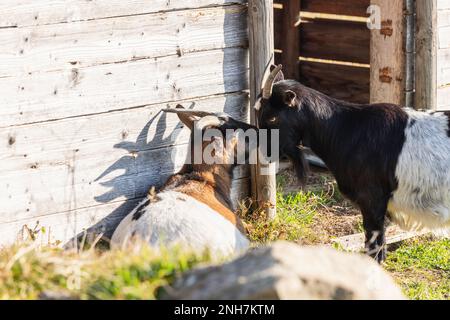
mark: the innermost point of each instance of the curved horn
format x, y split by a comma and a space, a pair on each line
207, 121
190, 112
268, 84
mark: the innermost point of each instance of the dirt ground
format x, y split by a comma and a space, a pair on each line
338, 218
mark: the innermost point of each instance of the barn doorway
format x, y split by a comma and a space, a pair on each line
328, 48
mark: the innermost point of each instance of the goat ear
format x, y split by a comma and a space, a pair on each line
290, 98
186, 119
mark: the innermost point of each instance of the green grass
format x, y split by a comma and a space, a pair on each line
422, 268
26, 272
295, 214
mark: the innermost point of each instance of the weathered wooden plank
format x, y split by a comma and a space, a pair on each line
341, 7
443, 18
443, 63
66, 46
55, 166
443, 4
66, 226
443, 98
319, 40
426, 50
355, 242
290, 38
62, 226
67, 93
278, 16
344, 82
444, 37
147, 126
18, 13
444, 76
261, 38
387, 74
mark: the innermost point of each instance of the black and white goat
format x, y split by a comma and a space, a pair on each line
193, 209
386, 159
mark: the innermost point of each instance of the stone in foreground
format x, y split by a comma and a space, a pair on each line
288, 271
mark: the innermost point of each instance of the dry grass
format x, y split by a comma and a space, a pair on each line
314, 214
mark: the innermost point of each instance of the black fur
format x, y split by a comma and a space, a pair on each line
360, 144
448, 117
140, 210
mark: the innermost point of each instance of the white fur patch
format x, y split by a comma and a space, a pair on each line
178, 219
422, 199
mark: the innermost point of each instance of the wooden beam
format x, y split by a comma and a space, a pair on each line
355, 242
387, 54
24, 13
261, 54
426, 54
290, 44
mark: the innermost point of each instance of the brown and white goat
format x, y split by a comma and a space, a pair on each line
193, 209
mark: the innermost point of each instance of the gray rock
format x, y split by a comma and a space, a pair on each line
57, 295
288, 271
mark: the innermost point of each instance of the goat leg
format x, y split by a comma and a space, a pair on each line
374, 215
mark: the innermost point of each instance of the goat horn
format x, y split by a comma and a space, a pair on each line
207, 121
268, 84
191, 112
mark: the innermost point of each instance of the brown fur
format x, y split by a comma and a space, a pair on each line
209, 185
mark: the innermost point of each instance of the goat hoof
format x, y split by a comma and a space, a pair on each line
380, 256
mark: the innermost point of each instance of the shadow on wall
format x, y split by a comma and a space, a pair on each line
144, 166
128, 164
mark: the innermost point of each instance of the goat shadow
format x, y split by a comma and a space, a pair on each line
235, 79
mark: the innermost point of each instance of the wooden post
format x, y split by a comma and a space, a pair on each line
426, 54
387, 55
261, 54
290, 45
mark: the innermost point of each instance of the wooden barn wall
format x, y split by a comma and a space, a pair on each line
82, 84
334, 41
443, 99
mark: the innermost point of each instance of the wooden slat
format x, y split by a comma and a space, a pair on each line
342, 7
83, 44
335, 40
289, 39
355, 242
444, 37
54, 166
56, 95
104, 218
63, 226
426, 73
443, 4
261, 39
18, 13
343, 82
387, 80
444, 76
278, 18
443, 62
444, 18
443, 98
